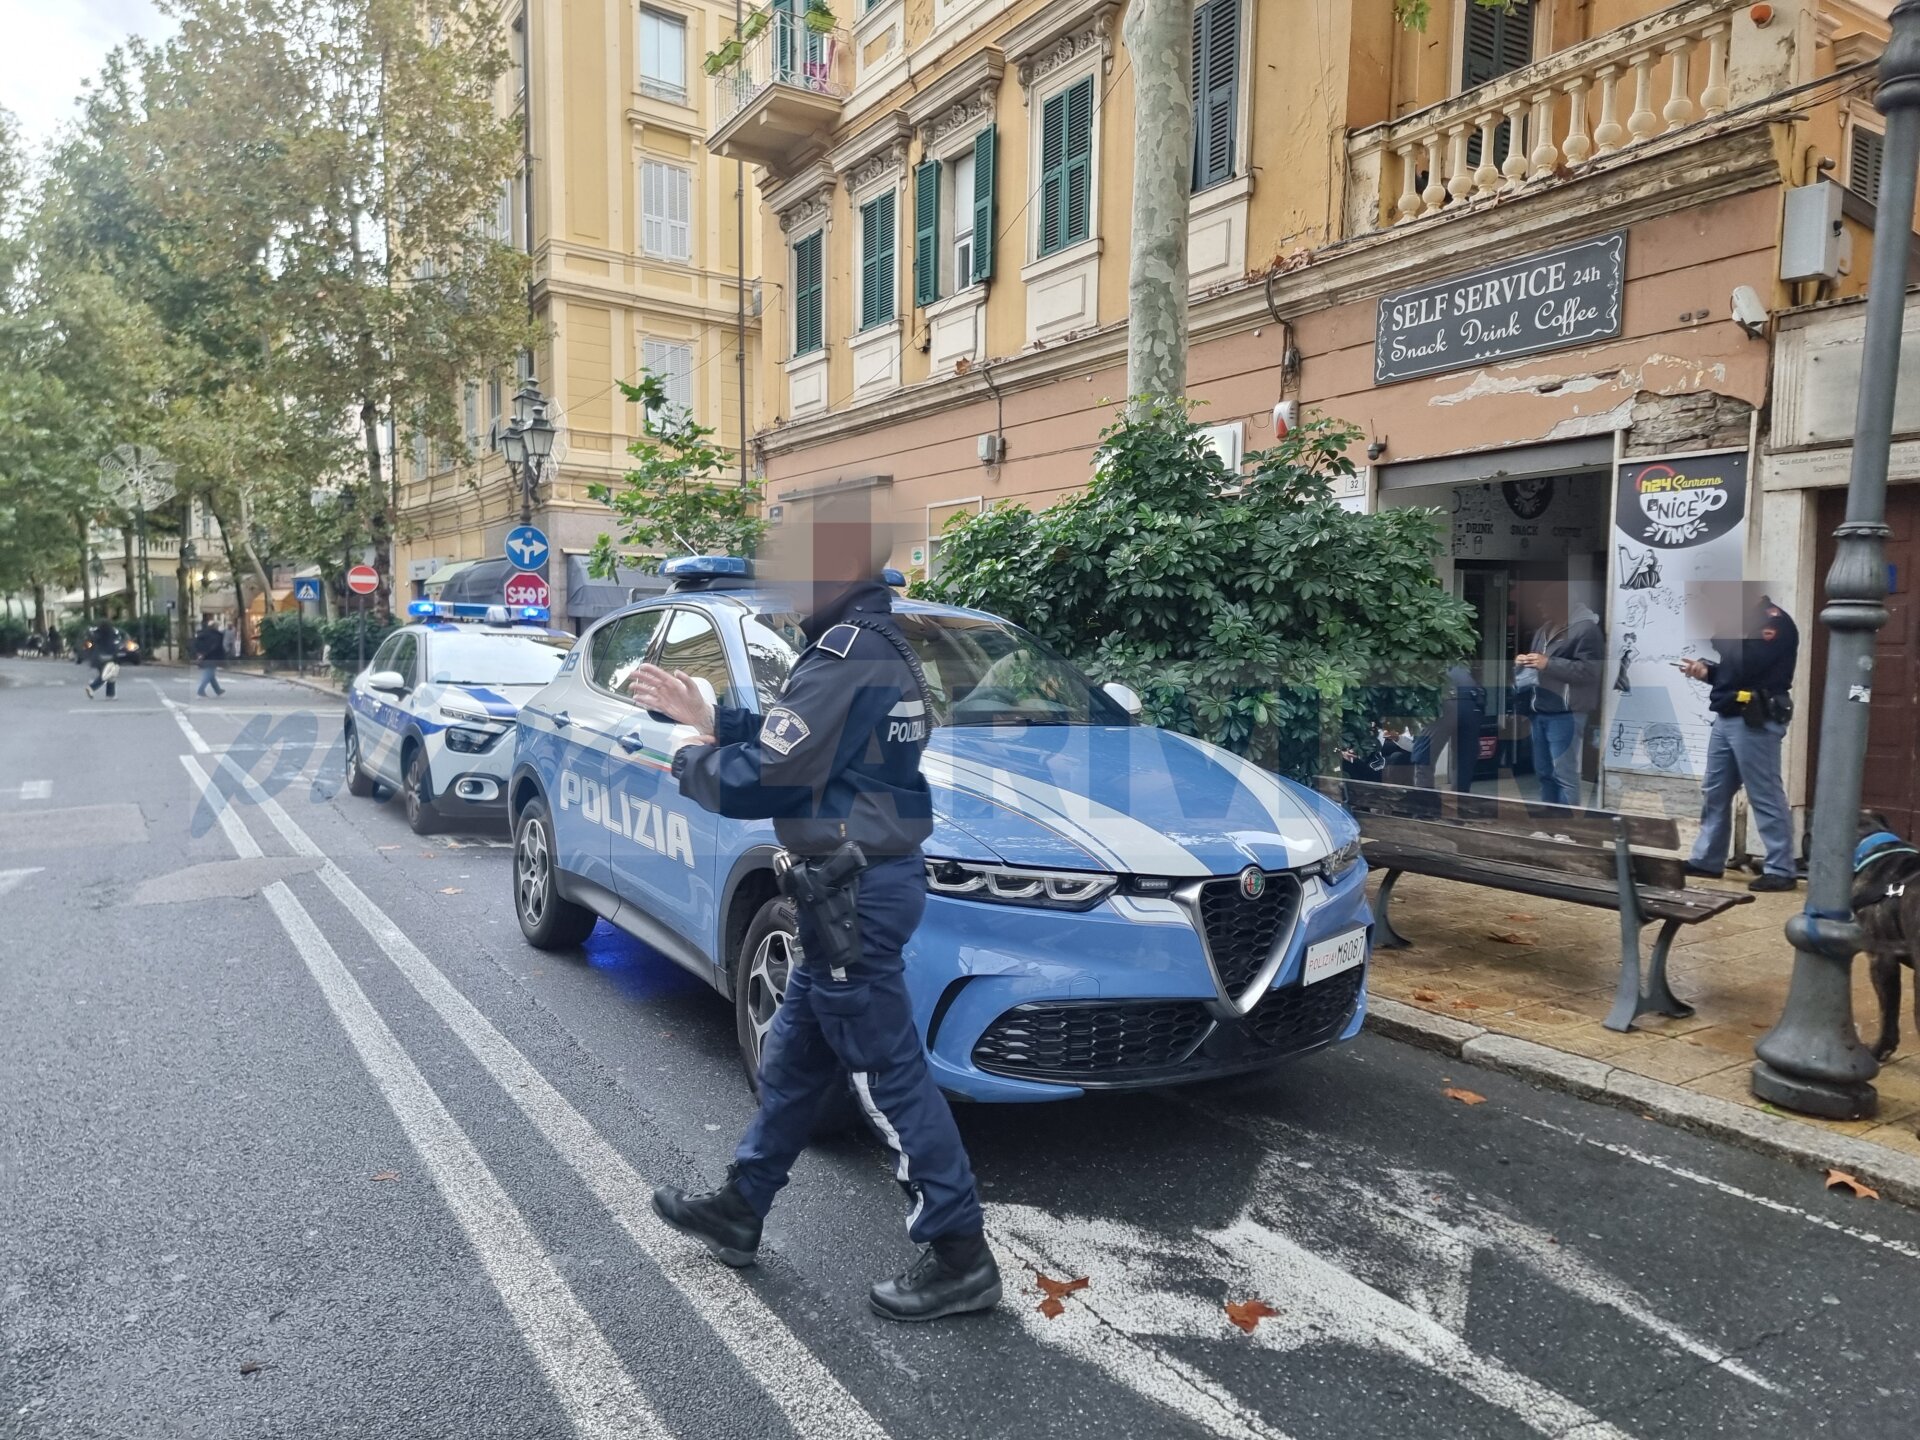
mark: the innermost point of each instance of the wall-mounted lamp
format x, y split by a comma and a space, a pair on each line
1377, 448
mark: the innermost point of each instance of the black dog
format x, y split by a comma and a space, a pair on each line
1886, 903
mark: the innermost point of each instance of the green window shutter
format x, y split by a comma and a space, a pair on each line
1078, 188
877, 260
808, 320
1216, 81
1866, 158
926, 234
1496, 41
983, 144
1053, 151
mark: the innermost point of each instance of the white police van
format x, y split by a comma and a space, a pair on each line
432, 716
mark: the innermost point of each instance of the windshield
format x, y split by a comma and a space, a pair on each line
480, 658
981, 672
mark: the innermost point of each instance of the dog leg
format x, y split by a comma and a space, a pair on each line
1885, 971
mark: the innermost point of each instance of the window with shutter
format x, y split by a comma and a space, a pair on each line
1496, 41
876, 260
983, 217
663, 54
1866, 152
808, 319
926, 232
1066, 167
666, 203
1216, 87
671, 362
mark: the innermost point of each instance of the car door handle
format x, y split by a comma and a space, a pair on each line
631, 741
561, 718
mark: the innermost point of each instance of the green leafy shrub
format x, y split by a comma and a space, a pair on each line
283, 634
342, 638
13, 634
149, 630
1250, 610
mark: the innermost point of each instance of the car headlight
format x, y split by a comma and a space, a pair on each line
469, 741
1008, 885
1340, 863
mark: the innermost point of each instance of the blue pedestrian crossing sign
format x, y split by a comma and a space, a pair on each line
306, 587
527, 547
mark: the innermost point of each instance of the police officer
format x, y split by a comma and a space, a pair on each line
836, 764
1751, 699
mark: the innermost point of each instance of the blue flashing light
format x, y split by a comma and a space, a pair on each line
424, 609
706, 567
531, 615
893, 578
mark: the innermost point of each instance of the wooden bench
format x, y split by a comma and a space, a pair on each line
1556, 852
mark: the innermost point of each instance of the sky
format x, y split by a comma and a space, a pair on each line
54, 46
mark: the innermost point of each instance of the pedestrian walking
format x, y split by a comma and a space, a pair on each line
836, 764
1560, 675
1751, 697
209, 648
103, 653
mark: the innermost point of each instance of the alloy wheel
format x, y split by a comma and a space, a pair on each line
534, 872
773, 961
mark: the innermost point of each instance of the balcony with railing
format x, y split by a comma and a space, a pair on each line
1548, 122
778, 86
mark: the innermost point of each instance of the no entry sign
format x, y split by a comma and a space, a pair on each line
526, 588
363, 580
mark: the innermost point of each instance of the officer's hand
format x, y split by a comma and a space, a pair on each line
673, 694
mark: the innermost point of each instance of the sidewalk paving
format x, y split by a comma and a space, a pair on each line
1544, 971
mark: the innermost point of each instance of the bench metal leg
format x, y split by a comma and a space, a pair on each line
1385, 937
1659, 998
1626, 996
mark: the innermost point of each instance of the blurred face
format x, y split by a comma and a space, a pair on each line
815, 556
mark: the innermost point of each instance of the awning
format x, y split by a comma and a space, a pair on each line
445, 573
474, 582
588, 598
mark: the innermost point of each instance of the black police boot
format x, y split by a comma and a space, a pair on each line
720, 1219
953, 1276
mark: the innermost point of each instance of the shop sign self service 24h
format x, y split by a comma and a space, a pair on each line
1556, 298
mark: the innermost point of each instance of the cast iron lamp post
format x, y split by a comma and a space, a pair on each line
528, 443
1812, 1060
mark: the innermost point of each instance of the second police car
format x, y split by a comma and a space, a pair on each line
431, 717
1111, 904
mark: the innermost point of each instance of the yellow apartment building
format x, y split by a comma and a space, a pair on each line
1528, 251
639, 260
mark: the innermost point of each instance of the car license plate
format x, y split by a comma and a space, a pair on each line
1330, 957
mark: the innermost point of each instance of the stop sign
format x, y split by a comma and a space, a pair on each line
363, 580
526, 588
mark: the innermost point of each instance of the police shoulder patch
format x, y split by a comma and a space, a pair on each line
839, 640
782, 730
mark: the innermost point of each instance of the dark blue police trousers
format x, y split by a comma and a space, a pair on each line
829, 1029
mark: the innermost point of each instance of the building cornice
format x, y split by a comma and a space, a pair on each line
1737, 160
1056, 34
877, 151
803, 198
962, 96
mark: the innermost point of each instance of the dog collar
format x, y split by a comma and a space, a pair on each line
1876, 845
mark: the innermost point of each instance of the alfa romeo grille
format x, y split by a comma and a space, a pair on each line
1241, 932
1305, 1015
1091, 1040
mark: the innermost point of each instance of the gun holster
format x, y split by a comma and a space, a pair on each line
827, 889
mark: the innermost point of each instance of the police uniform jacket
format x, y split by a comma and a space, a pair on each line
1761, 661
837, 757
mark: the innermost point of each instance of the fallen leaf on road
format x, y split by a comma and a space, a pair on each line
1466, 1004
1837, 1178
1426, 997
1249, 1313
428, 855
385, 1175
253, 1367
1513, 916
453, 890
1055, 1290
1512, 937
1465, 1097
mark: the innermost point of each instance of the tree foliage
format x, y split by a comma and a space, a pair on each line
679, 498
1250, 610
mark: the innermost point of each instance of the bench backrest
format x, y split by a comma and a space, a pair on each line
1486, 827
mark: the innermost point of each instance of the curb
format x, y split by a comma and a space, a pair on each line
1895, 1176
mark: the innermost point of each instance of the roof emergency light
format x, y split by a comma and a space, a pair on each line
695, 572
424, 609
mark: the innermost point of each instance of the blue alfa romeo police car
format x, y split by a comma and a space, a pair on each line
1111, 904
431, 717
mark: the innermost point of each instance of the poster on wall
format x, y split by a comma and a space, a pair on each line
1678, 521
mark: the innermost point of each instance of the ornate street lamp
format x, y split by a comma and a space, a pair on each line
1812, 1060
528, 444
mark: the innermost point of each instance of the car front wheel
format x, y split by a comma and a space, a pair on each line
359, 783
418, 789
761, 967
548, 921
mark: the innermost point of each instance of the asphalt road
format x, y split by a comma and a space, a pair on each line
301, 1140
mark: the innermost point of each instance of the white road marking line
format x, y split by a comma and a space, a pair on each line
36, 789
200, 746
1640, 1157
13, 879
587, 1378
805, 1390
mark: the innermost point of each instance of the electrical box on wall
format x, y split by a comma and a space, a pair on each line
992, 449
1810, 235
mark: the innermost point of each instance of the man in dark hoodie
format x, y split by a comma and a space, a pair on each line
1562, 670
209, 649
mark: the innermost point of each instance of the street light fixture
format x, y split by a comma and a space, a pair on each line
527, 443
1812, 1060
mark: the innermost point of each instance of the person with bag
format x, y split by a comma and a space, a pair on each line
103, 653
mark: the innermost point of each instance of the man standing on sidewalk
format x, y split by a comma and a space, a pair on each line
1751, 699
1562, 673
209, 648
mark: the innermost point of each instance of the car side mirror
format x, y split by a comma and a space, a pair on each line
1123, 696
389, 681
